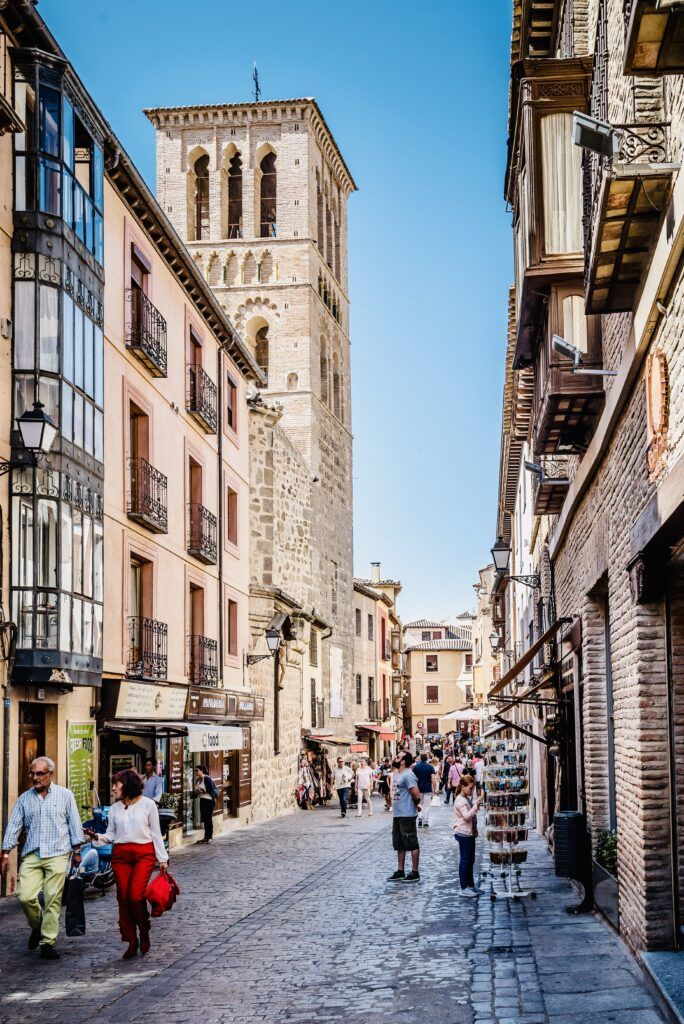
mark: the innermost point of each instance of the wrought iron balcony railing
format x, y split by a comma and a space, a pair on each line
386, 709
317, 713
373, 710
201, 398
550, 487
147, 648
146, 332
147, 496
202, 661
202, 533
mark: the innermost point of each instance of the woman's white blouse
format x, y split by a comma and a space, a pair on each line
137, 823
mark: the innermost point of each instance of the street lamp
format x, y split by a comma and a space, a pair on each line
38, 433
501, 554
273, 641
495, 641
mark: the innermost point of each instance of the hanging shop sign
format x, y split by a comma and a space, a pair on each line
146, 701
223, 705
80, 765
176, 764
202, 739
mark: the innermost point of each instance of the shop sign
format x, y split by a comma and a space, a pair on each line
175, 764
145, 701
213, 737
80, 765
245, 768
206, 703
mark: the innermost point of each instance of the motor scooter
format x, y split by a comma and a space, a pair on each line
96, 861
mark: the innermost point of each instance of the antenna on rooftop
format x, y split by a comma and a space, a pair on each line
257, 90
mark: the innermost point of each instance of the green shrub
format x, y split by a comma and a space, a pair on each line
170, 801
606, 850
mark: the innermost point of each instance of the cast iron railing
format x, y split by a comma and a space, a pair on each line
202, 532
373, 710
147, 496
147, 648
146, 333
386, 709
203, 661
201, 397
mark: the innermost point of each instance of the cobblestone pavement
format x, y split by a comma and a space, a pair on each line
293, 921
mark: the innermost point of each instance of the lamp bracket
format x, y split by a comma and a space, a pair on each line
251, 659
533, 581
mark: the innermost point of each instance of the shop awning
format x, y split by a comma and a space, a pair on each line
203, 738
383, 732
529, 655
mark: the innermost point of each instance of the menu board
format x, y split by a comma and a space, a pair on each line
175, 781
80, 765
245, 767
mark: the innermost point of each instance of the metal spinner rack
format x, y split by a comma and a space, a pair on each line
507, 804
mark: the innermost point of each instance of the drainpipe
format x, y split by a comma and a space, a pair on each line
219, 373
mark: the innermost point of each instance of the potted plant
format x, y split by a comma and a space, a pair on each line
169, 804
605, 871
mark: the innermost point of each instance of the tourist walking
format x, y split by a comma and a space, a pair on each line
342, 780
384, 775
406, 799
205, 789
133, 829
352, 792
364, 788
424, 772
465, 832
153, 786
478, 775
48, 817
446, 785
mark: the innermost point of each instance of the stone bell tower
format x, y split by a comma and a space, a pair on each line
258, 191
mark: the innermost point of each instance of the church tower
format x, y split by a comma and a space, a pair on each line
258, 191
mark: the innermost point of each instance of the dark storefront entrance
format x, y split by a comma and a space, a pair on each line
31, 739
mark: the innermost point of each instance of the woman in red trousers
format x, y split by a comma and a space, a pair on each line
133, 828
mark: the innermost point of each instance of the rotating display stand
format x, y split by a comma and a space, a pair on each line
507, 805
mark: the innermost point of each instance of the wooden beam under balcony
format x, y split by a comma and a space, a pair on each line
654, 42
549, 489
631, 203
570, 405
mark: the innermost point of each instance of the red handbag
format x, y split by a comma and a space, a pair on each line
162, 892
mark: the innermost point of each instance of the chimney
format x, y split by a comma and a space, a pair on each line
375, 572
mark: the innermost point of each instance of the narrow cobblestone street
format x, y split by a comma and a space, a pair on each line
293, 921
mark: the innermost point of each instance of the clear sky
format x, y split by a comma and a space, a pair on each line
416, 95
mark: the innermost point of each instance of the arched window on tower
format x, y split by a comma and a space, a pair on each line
337, 392
319, 215
235, 197
324, 373
201, 204
329, 238
268, 196
261, 352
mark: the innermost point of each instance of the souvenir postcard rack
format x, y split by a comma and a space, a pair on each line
507, 804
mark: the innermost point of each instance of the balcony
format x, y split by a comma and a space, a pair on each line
374, 711
146, 332
566, 404
202, 661
654, 40
386, 709
317, 713
147, 648
623, 208
202, 533
201, 398
549, 489
147, 499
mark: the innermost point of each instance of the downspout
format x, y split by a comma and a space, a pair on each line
219, 507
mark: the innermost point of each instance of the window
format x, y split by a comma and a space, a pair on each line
469, 663
437, 634
432, 694
235, 197
561, 185
231, 403
371, 688
231, 515
337, 387
425, 636
232, 628
432, 725
431, 663
268, 189
324, 373
383, 638
261, 353
201, 198
333, 588
359, 689
313, 647
358, 621
370, 626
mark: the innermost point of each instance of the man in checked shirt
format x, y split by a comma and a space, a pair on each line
50, 819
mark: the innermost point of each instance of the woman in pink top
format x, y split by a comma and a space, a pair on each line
465, 832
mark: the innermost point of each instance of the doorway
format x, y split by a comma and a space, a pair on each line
31, 739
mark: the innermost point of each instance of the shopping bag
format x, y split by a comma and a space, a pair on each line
161, 893
75, 919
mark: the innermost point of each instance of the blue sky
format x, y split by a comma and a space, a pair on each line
416, 95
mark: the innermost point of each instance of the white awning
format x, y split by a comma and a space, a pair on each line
203, 737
